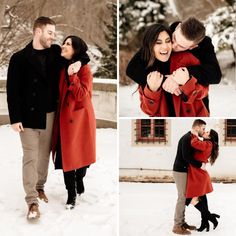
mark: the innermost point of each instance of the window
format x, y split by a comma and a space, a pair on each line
150, 131
230, 130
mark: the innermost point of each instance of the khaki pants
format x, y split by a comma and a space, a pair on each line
180, 181
36, 144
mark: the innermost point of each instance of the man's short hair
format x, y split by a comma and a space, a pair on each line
43, 21
193, 29
198, 122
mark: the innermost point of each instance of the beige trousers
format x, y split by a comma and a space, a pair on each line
180, 181
36, 144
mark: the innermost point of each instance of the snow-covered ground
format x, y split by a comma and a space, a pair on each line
148, 209
221, 101
95, 212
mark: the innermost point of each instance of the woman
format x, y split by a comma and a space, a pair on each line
199, 182
73, 144
160, 61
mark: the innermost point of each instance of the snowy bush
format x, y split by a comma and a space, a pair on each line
95, 58
137, 15
220, 26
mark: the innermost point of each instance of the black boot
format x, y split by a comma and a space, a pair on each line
204, 225
80, 173
69, 179
71, 200
204, 222
206, 213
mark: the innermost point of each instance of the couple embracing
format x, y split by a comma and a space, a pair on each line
195, 149
49, 90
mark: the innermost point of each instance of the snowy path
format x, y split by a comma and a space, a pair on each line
148, 209
221, 101
96, 210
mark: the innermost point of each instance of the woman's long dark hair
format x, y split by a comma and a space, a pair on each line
214, 138
149, 40
80, 49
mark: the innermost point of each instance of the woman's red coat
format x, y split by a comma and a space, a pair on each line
154, 103
198, 181
76, 121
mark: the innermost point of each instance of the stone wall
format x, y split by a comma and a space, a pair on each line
104, 101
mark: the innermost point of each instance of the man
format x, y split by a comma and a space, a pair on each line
188, 35
184, 157
32, 83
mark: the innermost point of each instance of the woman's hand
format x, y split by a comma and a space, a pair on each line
74, 68
154, 80
181, 75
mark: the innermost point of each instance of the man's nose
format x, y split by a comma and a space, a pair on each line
174, 45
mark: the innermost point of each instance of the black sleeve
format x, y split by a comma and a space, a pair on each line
187, 152
13, 90
209, 71
136, 69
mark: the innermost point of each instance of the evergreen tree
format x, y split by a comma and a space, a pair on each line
220, 26
108, 67
135, 16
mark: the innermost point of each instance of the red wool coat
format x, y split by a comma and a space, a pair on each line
198, 181
155, 104
76, 121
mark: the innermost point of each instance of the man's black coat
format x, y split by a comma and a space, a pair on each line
29, 90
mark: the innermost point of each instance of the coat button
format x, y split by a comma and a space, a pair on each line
32, 109
151, 102
71, 121
188, 110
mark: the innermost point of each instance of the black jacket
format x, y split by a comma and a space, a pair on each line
184, 155
207, 73
29, 89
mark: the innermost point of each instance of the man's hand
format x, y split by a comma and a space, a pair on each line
171, 86
74, 68
154, 80
203, 167
18, 127
181, 75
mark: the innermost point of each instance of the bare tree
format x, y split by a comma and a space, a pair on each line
15, 30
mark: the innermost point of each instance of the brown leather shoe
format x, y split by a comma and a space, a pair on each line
33, 212
42, 195
190, 227
180, 230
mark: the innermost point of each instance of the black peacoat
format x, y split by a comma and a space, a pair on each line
29, 89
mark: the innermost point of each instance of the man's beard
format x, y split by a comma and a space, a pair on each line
43, 42
200, 134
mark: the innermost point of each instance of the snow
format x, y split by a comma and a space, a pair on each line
3, 73
95, 212
148, 209
220, 96
104, 81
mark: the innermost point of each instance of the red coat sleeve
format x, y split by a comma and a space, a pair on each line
153, 103
200, 145
81, 83
182, 59
192, 89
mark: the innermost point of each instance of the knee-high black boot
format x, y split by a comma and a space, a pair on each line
69, 179
206, 214
80, 173
204, 221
